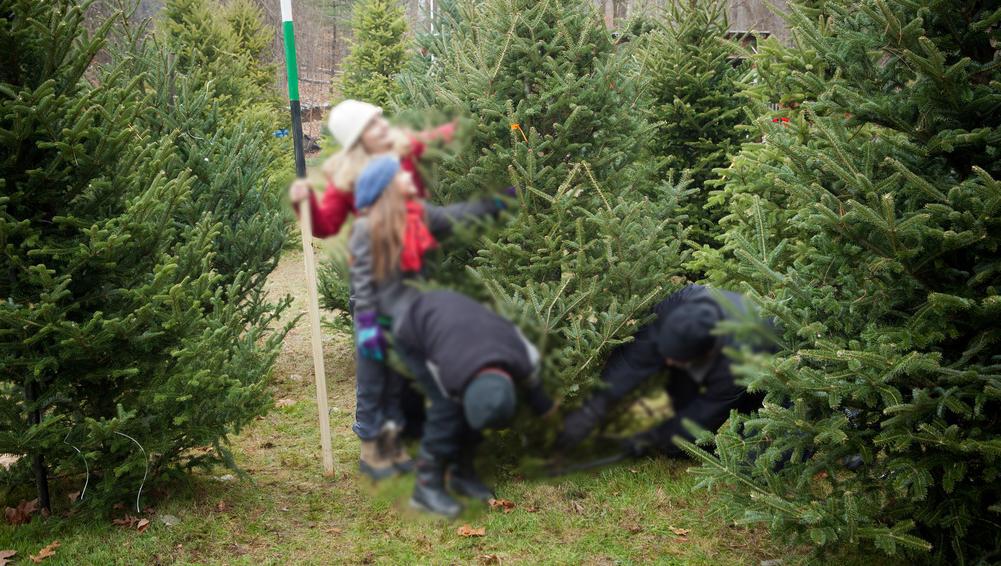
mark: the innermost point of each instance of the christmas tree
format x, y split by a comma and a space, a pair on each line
221, 49
377, 53
695, 82
431, 43
869, 226
595, 241
123, 349
224, 140
253, 40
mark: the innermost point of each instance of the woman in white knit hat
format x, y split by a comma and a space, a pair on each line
362, 132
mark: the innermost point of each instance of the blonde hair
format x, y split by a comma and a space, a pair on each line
387, 221
344, 167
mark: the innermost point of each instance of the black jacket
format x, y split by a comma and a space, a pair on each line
458, 337
704, 394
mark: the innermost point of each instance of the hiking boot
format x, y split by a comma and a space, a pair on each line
463, 480
429, 490
394, 450
373, 463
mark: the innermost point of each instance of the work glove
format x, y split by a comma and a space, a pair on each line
579, 424
506, 198
369, 339
636, 446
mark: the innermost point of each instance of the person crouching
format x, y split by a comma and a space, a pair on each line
468, 361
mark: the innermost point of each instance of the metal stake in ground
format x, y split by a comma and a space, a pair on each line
306, 223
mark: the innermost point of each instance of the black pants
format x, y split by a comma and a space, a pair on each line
707, 406
446, 435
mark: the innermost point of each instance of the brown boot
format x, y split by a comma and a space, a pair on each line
373, 463
394, 449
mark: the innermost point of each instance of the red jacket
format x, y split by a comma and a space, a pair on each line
331, 213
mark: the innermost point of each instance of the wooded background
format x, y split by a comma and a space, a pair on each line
323, 31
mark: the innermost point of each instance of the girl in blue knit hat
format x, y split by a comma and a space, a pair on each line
465, 357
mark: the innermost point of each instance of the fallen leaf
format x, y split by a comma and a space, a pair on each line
47, 552
284, 403
503, 504
467, 531
142, 525
680, 532
22, 513
333, 531
6, 555
74, 496
490, 559
127, 521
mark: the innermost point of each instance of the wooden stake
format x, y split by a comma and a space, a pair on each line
306, 223
313, 306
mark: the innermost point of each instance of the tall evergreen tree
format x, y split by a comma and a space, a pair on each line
377, 52
595, 242
121, 346
695, 82
870, 227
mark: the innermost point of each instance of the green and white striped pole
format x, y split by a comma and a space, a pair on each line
306, 223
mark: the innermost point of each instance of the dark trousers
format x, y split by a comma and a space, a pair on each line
446, 435
708, 407
378, 398
378, 394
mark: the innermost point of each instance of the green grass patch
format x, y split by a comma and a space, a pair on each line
285, 512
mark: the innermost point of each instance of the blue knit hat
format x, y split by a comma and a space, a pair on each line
374, 179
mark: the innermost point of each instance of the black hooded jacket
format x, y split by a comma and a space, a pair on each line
458, 337
704, 393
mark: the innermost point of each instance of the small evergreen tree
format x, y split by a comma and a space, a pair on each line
253, 40
377, 53
221, 49
595, 241
695, 82
872, 232
122, 347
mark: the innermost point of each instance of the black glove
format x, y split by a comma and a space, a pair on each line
579, 424
636, 446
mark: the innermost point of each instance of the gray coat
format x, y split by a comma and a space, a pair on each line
394, 296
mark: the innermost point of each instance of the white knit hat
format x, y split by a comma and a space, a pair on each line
349, 119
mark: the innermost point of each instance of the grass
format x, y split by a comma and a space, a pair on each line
285, 512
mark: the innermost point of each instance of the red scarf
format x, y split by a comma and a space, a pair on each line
417, 239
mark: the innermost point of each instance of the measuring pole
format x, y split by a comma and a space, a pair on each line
306, 223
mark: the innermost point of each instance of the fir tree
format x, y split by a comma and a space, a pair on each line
431, 43
594, 242
871, 232
220, 49
377, 53
695, 82
122, 347
253, 39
